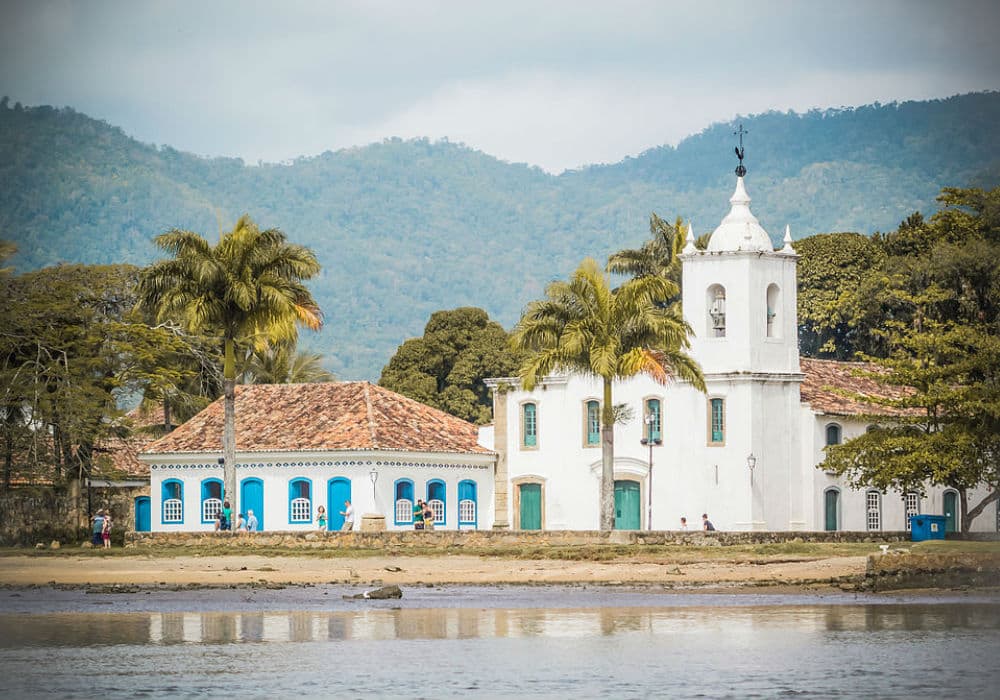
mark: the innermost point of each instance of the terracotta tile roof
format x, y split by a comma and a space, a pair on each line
324, 416
824, 379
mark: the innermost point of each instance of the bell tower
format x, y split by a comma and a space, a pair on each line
739, 296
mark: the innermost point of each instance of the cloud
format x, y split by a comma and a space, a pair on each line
557, 84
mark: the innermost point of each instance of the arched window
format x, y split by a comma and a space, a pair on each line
831, 509
300, 501
467, 510
911, 506
529, 425
404, 501
653, 421
773, 304
716, 421
873, 510
436, 500
833, 434
716, 305
211, 499
592, 421
172, 495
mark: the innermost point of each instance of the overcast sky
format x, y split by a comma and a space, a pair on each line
554, 84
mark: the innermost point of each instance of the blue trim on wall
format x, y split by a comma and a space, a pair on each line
443, 499
467, 491
396, 495
164, 496
291, 495
205, 495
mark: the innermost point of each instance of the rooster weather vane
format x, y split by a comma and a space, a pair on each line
740, 169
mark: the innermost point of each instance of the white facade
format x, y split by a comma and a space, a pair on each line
739, 296
371, 480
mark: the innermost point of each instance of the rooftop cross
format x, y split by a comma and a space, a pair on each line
740, 170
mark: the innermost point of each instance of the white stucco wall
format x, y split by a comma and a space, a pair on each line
277, 470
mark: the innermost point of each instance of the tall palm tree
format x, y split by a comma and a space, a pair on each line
585, 326
247, 289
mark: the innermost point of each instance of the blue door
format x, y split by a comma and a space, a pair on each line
142, 514
252, 499
338, 490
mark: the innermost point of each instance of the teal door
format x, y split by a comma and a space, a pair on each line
531, 506
950, 511
628, 505
832, 505
338, 490
252, 499
142, 514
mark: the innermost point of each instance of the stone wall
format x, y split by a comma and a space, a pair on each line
32, 515
473, 539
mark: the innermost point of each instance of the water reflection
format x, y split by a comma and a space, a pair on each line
91, 629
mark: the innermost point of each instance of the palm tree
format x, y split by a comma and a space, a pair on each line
278, 364
247, 290
587, 327
658, 255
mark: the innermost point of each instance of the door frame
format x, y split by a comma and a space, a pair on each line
334, 520
243, 500
149, 513
516, 501
639, 502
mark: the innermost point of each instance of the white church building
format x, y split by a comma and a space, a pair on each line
744, 453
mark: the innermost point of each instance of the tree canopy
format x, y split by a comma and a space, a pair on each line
933, 306
445, 367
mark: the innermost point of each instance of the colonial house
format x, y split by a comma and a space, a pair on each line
745, 453
302, 446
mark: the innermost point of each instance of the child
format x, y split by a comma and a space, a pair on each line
321, 518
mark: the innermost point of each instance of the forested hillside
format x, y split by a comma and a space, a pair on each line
406, 228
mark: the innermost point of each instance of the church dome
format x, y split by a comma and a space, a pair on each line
740, 230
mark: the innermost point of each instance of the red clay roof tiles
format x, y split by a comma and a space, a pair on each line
826, 379
324, 416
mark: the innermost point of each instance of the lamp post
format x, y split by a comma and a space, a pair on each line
373, 475
649, 441
751, 463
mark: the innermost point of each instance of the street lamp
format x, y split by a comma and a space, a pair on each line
373, 475
648, 440
751, 463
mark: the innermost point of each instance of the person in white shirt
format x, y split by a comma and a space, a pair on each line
684, 523
348, 514
251, 521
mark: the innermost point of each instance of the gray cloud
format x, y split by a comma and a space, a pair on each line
556, 84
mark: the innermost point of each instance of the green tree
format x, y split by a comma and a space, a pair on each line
445, 368
832, 267
587, 327
71, 346
247, 290
935, 307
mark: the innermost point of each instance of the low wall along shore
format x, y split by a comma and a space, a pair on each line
484, 539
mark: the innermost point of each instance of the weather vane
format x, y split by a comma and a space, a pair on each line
740, 170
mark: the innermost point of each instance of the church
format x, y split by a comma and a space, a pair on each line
745, 453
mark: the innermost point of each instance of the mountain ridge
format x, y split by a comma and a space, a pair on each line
407, 227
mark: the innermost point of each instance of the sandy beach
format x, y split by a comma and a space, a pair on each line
242, 569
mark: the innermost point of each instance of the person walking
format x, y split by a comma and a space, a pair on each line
706, 524
428, 517
106, 531
97, 538
348, 514
227, 516
684, 523
251, 521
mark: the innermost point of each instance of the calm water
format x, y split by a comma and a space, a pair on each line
495, 643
